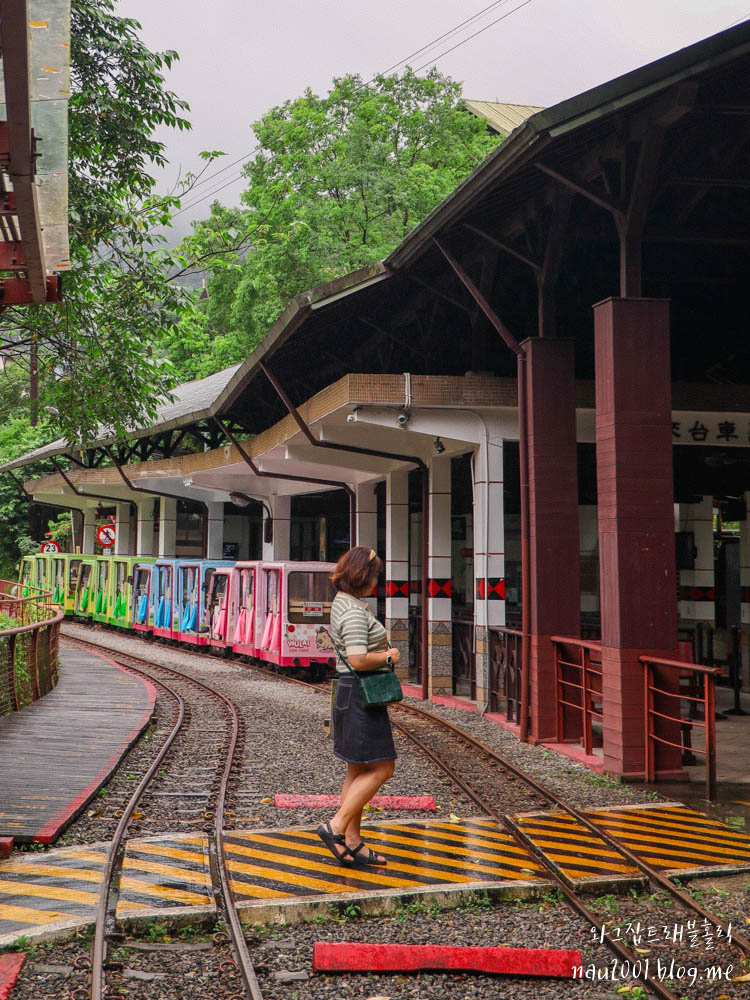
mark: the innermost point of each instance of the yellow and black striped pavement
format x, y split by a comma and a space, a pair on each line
38, 891
46, 889
668, 837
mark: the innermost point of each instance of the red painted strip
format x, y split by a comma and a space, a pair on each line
449, 700
10, 966
6, 846
347, 956
50, 829
283, 800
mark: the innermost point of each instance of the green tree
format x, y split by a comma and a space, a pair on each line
96, 363
337, 183
16, 438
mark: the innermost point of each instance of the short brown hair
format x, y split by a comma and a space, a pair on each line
355, 569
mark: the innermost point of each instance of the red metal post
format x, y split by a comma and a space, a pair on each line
586, 720
709, 709
554, 573
523, 455
35, 661
13, 689
559, 689
636, 521
648, 703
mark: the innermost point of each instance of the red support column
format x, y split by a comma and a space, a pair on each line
636, 517
553, 518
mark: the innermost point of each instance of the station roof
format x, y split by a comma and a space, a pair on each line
34, 91
502, 118
193, 402
409, 312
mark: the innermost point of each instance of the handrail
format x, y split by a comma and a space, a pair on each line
708, 725
577, 693
58, 617
21, 651
696, 668
592, 644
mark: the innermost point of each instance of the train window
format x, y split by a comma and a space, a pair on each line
75, 566
272, 591
141, 582
103, 574
84, 582
309, 596
246, 589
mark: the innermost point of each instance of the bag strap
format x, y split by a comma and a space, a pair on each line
358, 673
342, 656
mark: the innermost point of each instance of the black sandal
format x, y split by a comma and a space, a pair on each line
331, 839
371, 858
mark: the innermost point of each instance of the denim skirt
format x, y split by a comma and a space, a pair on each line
360, 735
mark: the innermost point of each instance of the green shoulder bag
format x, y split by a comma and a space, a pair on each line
377, 687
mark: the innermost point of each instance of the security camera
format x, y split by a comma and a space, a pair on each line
351, 418
402, 419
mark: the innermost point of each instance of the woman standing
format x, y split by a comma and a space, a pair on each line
361, 736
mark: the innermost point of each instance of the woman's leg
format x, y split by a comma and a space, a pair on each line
362, 782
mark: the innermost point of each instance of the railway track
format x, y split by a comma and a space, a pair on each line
226, 754
458, 754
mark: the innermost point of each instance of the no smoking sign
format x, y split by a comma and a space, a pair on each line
106, 535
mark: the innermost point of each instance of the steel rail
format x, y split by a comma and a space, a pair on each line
99, 944
551, 870
225, 899
651, 873
563, 883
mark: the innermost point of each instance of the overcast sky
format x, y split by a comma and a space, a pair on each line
238, 58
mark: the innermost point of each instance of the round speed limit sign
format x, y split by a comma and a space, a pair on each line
48, 547
106, 535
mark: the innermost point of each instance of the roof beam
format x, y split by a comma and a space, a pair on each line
505, 247
14, 31
581, 187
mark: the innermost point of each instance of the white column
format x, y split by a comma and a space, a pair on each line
167, 527
278, 548
367, 516
215, 532
122, 530
89, 532
489, 555
145, 543
696, 602
367, 525
439, 602
397, 565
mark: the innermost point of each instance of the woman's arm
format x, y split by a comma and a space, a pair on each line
374, 660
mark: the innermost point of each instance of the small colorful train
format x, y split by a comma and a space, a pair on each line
273, 612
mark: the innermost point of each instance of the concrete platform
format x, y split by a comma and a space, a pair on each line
66, 745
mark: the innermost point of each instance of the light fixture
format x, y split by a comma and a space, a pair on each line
438, 445
239, 499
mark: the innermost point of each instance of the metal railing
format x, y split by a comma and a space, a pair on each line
29, 641
505, 671
578, 675
664, 720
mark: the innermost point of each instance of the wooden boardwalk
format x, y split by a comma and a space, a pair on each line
56, 753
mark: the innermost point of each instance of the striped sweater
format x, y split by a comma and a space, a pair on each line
354, 628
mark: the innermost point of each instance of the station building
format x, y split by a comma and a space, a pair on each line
551, 372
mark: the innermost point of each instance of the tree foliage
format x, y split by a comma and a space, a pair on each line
337, 183
95, 358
